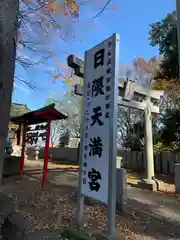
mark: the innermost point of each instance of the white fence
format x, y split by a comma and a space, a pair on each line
61, 154
163, 162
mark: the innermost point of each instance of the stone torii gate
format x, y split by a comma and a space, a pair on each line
131, 95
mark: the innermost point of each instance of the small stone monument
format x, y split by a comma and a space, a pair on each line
121, 190
8, 147
37, 150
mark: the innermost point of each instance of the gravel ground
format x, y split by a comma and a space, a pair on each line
48, 208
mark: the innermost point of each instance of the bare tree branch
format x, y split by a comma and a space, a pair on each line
102, 10
27, 83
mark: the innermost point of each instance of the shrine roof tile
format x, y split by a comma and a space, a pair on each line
18, 109
40, 115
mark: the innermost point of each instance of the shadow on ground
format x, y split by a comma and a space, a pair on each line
159, 203
147, 224
46, 206
35, 171
165, 178
139, 175
63, 161
135, 207
56, 176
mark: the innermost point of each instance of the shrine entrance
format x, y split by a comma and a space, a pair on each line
31, 135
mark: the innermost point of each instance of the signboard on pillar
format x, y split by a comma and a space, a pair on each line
100, 94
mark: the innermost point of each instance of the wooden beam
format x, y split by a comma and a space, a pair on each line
73, 62
141, 90
137, 105
131, 104
79, 71
78, 90
78, 65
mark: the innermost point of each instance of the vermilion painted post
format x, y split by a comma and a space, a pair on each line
23, 149
46, 157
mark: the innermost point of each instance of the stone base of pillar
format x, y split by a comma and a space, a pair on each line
150, 185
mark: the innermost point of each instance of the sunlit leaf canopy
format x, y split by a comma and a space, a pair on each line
66, 73
40, 19
50, 15
45, 23
40, 22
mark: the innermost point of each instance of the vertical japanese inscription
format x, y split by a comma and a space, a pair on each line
108, 81
86, 135
95, 144
96, 116
94, 176
99, 58
97, 87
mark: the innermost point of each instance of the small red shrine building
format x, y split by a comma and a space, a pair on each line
42, 115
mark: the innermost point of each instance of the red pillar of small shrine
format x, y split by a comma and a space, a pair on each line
46, 157
23, 150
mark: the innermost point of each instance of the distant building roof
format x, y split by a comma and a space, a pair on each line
18, 109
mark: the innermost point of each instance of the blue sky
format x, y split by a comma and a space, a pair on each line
131, 20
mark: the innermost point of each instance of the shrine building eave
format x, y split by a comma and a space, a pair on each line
48, 113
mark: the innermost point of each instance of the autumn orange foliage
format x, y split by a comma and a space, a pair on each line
152, 67
56, 7
149, 66
64, 73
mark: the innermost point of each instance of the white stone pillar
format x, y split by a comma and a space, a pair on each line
149, 142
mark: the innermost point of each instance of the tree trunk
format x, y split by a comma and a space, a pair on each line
8, 36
